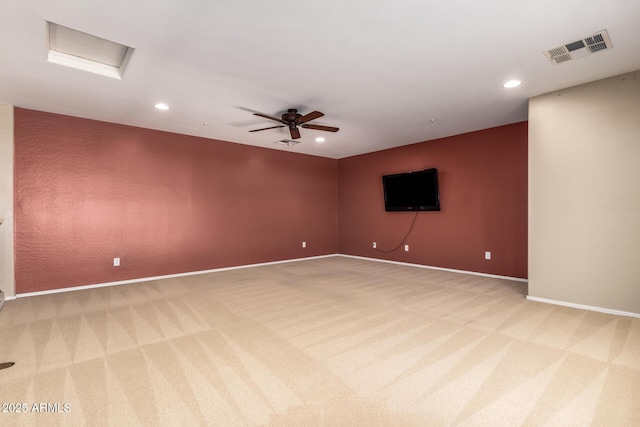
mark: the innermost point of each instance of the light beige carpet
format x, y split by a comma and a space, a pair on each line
325, 342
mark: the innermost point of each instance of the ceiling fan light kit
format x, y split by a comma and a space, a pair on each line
292, 119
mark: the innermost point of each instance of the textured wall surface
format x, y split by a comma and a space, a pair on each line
89, 191
584, 194
483, 194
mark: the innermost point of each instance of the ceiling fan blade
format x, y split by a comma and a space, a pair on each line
269, 117
272, 127
295, 133
319, 127
308, 117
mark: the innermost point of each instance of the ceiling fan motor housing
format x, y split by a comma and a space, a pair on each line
291, 116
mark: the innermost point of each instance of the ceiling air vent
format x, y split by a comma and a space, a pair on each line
577, 49
288, 142
85, 52
598, 42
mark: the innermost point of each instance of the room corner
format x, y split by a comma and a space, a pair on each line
6, 202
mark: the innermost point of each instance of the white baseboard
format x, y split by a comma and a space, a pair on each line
192, 273
168, 276
4, 297
475, 273
584, 307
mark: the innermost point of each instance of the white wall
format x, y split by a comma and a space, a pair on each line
584, 195
6, 200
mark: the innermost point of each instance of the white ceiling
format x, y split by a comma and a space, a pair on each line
381, 70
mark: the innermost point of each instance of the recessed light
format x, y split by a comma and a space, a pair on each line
512, 83
320, 139
161, 106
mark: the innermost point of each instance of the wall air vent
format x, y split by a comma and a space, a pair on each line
579, 48
288, 142
85, 52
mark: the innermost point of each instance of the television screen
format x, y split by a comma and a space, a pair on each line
412, 191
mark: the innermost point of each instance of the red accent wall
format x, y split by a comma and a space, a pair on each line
88, 191
483, 195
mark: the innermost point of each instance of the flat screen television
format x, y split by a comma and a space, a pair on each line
411, 191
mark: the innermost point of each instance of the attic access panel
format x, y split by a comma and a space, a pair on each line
82, 51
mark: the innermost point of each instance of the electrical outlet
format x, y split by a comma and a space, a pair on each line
406, 248
304, 244
487, 255
374, 245
116, 262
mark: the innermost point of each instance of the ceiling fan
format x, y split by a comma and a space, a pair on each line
292, 119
